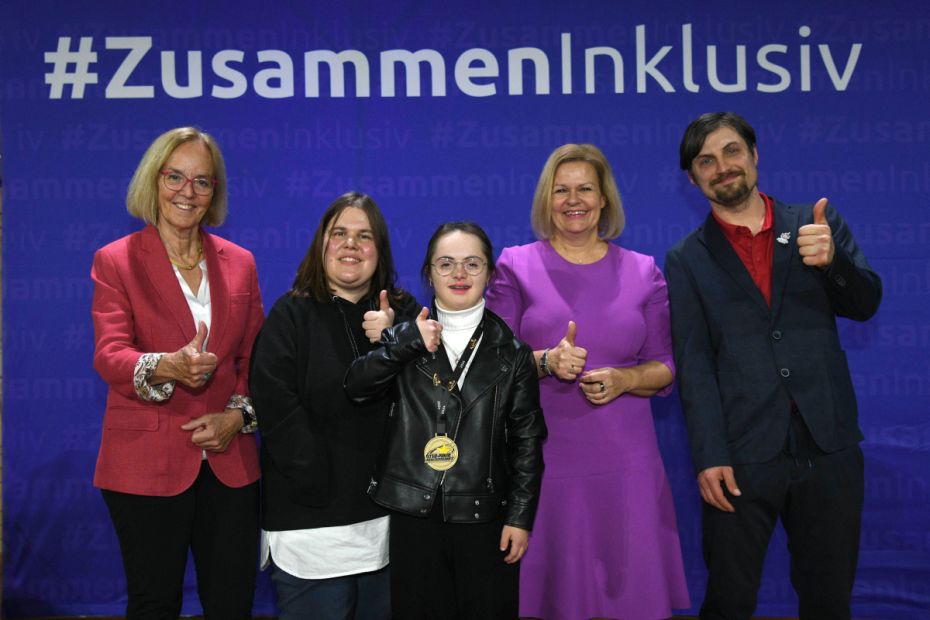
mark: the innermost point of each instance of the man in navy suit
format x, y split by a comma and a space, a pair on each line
764, 383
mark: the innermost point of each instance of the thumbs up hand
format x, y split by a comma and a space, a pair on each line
815, 241
375, 321
190, 364
430, 331
566, 361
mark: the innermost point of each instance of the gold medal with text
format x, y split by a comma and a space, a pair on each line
441, 453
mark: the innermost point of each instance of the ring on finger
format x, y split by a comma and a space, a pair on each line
603, 388
206, 376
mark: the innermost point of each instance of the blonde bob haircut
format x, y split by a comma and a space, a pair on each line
611, 222
142, 197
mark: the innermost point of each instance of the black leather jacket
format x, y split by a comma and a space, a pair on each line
495, 420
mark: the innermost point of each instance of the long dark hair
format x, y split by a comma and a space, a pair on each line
450, 227
310, 280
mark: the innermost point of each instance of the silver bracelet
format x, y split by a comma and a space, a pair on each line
244, 404
544, 363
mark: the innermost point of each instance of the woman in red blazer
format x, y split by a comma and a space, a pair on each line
176, 311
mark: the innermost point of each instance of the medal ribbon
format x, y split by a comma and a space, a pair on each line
452, 384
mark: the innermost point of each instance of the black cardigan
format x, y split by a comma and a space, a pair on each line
318, 449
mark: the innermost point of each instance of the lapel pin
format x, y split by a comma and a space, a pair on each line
783, 238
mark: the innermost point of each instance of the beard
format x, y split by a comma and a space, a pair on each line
734, 193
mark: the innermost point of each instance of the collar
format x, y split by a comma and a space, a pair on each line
735, 230
460, 320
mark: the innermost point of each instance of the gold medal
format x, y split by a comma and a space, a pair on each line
440, 453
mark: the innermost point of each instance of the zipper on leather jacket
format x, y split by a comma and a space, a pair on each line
455, 433
391, 410
372, 485
491, 446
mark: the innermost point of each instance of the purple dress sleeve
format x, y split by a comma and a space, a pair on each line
658, 343
505, 295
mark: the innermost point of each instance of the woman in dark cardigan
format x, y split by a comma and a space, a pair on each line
325, 540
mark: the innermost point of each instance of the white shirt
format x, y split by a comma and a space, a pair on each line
199, 303
326, 552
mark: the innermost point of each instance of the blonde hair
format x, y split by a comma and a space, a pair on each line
142, 197
612, 219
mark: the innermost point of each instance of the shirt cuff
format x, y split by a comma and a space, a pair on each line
244, 404
141, 374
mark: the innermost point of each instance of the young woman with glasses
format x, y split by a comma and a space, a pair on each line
461, 460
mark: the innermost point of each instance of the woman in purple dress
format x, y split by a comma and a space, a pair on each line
605, 543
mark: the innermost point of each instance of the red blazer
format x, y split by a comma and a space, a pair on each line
139, 308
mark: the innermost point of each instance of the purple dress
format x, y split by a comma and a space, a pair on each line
605, 541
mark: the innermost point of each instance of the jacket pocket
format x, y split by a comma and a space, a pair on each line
468, 508
131, 419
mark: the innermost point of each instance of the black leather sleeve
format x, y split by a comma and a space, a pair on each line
372, 375
526, 430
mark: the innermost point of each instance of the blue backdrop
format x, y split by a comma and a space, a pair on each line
447, 113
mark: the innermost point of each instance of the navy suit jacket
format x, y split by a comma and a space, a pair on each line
741, 363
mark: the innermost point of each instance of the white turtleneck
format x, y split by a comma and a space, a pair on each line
457, 328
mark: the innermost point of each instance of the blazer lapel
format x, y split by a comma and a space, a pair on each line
784, 226
722, 252
488, 367
483, 374
164, 282
217, 270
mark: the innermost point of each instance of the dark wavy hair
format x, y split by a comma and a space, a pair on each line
450, 227
310, 280
704, 125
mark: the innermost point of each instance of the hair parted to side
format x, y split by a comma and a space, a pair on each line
310, 280
469, 228
697, 131
142, 197
612, 219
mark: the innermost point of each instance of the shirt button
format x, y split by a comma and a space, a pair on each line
784, 372
477, 516
427, 496
840, 280
776, 335
477, 502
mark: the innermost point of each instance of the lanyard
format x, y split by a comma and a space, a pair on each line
452, 385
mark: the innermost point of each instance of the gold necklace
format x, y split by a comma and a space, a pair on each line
185, 266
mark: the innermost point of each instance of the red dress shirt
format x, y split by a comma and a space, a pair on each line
754, 251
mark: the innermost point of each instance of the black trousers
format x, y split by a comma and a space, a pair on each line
819, 499
217, 523
453, 571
